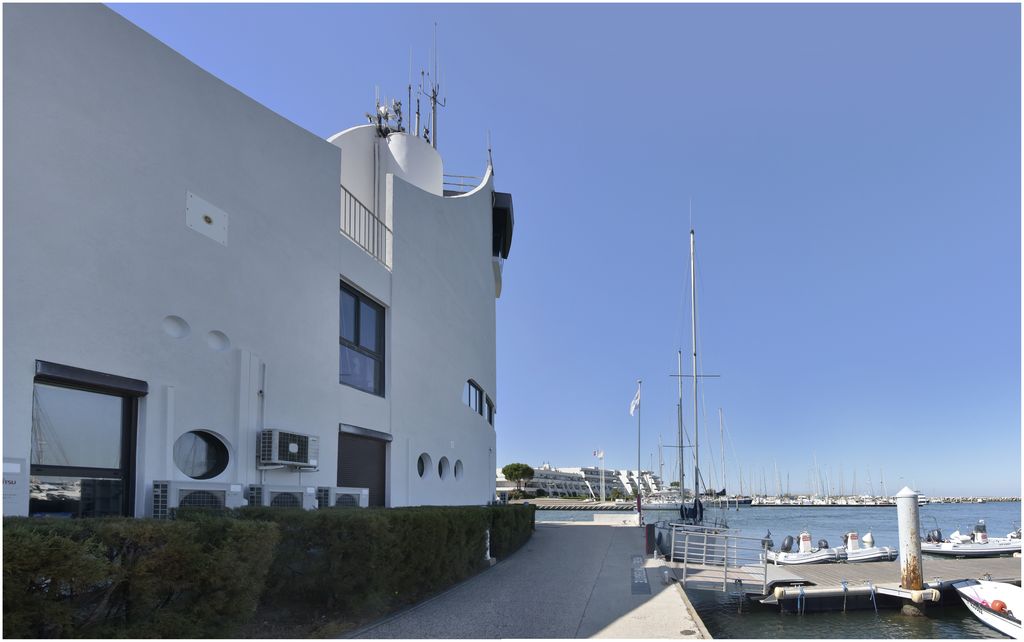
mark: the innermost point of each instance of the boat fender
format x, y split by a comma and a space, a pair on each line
780, 592
823, 543
787, 544
999, 605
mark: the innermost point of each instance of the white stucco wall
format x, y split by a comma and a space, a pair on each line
106, 131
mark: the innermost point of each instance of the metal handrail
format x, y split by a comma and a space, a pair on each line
365, 228
713, 548
447, 182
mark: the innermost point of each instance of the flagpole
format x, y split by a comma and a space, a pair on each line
639, 515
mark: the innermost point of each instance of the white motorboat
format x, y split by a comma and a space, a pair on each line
977, 544
805, 555
853, 551
997, 604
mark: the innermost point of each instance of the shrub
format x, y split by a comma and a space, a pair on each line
347, 560
120, 577
511, 527
203, 574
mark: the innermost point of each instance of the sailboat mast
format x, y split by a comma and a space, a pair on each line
721, 438
679, 423
693, 335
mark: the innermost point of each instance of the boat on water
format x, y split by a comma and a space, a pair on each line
997, 604
853, 552
805, 554
976, 544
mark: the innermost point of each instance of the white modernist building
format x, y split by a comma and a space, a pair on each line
577, 482
205, 304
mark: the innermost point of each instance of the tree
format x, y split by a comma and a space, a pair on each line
674, 484
616, 494
518, 473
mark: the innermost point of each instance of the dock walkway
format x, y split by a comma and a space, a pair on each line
571, 580
829, 579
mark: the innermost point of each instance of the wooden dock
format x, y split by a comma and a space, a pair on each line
841, 579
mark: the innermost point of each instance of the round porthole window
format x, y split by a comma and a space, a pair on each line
458, 469
442, 468
423, 464
200, 454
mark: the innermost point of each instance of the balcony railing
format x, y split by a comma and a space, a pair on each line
458, 183
361, 225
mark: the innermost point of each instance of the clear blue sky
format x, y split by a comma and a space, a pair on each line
855, 176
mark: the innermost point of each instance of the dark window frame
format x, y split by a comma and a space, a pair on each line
490, 410
474, 390
129, 390
355, 345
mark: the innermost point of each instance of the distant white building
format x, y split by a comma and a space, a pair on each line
205, 303
581, 481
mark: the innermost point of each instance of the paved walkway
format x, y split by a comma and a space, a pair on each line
568, 581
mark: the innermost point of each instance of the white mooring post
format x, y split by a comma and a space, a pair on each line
911, 571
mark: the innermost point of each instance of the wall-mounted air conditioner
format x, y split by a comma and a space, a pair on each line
277, 448
339, 497
168, 496
282, 496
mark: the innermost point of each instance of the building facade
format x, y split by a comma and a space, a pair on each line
580, 482
205, 302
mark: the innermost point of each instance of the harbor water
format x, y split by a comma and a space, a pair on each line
734, 616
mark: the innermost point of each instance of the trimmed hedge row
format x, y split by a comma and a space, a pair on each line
119, 577
203, 575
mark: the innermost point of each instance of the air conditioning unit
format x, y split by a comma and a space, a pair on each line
168, 496
339, 497
278, 448
281, 496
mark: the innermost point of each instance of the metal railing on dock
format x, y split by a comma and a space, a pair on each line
717, 557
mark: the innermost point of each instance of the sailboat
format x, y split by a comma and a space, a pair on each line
692, 515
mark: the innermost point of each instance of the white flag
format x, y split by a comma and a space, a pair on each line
633, 405
599, 454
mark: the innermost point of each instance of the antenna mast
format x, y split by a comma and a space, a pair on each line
434, 96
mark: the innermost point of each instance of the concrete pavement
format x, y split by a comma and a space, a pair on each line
569, 581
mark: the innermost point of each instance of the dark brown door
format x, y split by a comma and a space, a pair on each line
362, 464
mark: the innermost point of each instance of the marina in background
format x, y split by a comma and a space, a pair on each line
718, 610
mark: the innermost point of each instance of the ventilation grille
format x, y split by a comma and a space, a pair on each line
293, 448
210, 499
286, 500
255, 495
347, 499
323, 497
280, 448
160, 500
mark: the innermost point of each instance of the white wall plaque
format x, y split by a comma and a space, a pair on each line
15, 486
206, 218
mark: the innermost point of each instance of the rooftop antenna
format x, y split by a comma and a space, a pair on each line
410, 91
434, 93
490, 160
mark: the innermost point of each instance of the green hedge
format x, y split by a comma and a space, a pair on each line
203, 575
119, 577
346, 560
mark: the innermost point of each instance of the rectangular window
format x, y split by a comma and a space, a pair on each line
361, 338
83, 442
490, 411
474, 397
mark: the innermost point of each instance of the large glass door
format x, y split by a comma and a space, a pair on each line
83, 450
